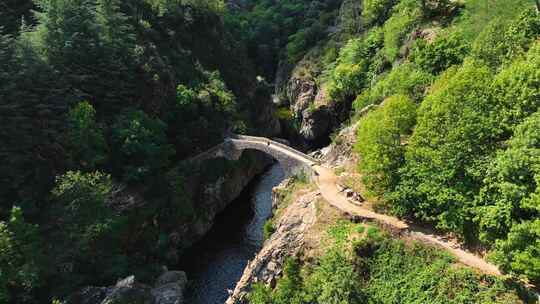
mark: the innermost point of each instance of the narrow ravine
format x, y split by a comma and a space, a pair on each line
217, 262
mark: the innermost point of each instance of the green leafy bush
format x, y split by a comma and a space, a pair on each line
448, 49
508, 204
200, 113
401, 273
376, 11
405, 79
86, 138
260, 294
479, 13
503, 40
405, 16
21, 259
518, 253
380, 136
517, 88
379, 269
89, 233
354, 67
141, 145
268, 229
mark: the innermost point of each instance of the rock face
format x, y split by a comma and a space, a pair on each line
169, 289
288, 240
299, 86
212, 198
296, 87
341, 149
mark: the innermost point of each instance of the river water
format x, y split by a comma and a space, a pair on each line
217, 262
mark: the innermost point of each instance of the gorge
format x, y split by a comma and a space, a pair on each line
143, 141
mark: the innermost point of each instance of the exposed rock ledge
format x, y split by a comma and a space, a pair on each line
288, 240
169, 289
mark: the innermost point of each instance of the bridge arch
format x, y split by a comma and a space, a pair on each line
292, 161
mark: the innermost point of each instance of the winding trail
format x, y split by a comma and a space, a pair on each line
327, 182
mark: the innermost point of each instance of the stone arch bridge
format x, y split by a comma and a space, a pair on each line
291, 160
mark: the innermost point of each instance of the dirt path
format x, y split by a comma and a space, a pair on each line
327, 182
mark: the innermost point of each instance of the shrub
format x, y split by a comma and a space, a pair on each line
289, 288
447, 50
379, 142
376, 11
85, 137
89, 233
141, 145
378, 269
403, 20
21, 259
200, 113
300, 41
517, 88
268, 229
518, 252
404, 79
478, 13
260, 294
334, 280
353, 70
502, 41
511, 187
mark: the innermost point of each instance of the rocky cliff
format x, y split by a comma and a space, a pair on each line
300, 87
288, 239
214, 196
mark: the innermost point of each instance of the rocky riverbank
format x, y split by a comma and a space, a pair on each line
287, 240
169, 288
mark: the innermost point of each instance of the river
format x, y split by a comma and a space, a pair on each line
217, 262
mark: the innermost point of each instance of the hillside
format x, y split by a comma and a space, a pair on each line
444, 95
429, 110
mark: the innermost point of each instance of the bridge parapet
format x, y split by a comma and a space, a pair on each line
291, 160
276, 143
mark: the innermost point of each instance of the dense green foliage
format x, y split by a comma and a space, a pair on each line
19, 258
275, 29
14, 13
469, 165
377, 269
100, 102
100, 96
405, 79
380, 137
439, 55
354, 68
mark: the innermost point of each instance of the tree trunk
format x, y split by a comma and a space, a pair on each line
538, 6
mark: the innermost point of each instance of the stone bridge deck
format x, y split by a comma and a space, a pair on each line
292, 161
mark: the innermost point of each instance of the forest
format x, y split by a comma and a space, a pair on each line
99, 95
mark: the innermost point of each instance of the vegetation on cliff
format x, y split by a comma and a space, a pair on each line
364, 265
466, 160
100, 96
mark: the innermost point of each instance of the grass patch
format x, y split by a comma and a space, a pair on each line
268, 229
